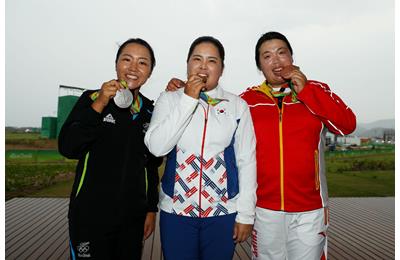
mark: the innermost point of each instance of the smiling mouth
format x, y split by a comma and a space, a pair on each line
132, 77
277, 71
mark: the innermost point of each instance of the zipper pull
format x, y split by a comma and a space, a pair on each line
280, 116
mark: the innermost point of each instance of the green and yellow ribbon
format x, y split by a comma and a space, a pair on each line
210, 100
136, 104
269, 91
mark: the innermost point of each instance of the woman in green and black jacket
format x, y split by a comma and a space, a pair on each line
115, 193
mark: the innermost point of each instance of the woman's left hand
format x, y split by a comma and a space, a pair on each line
241, 232
297, 77
149, 224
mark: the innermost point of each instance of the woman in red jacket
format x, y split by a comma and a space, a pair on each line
291, 115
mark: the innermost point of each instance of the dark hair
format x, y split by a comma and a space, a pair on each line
211, 40
267, 37
141, 42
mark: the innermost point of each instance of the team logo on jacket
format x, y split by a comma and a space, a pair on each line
83, 249
109, 118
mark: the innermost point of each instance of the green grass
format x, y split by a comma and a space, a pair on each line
61, 189
21, 136
361, 175
361, 184
367, 162
25, 179
31, 140
357, 175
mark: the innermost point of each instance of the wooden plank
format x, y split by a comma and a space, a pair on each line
236, 256
361, 233
147, 247
336, 252
57, 247
37, 232
53, 243
348, 213
350, 245
366, 213
247, 246
15, 203
360, 228
43, 240
361, 225
357, 228
28, 210
241, 251
156, 252
32, 228
65, 254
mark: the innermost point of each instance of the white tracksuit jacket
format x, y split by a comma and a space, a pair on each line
211, 167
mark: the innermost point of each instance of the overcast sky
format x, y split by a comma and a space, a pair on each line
348, 44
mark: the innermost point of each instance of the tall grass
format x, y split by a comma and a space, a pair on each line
361, 175
24, 179
376, 162
46, 173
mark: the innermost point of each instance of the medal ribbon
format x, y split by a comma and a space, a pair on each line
269, 91
210, 100
136, 104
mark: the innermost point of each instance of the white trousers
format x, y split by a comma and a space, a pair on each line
285, 235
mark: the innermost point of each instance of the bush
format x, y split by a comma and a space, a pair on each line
25, 178
361, 163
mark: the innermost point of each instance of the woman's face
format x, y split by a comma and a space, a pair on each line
134, 65
205, 62
274, 56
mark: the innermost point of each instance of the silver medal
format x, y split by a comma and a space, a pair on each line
123, 98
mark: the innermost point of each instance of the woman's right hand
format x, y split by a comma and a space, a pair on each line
174, 84
108, 91
194, 85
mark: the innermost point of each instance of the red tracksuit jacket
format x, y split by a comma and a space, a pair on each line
290, 145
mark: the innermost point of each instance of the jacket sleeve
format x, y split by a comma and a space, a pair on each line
152, 181
245, 153
80, 129
327, 106
168, 122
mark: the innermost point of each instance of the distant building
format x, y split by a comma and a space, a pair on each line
388, 135
365, 140
332, 139
348, 140
67, 97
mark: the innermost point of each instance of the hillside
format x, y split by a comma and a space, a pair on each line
374, 129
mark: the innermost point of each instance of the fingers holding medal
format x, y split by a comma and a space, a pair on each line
195, 84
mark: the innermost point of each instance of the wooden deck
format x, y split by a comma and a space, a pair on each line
360, 228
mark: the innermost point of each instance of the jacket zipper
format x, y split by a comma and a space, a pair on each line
281, 157
281, 173
201, 157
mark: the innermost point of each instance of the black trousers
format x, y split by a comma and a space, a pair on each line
116, 241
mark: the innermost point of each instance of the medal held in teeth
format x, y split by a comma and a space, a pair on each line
204, 79
123, 98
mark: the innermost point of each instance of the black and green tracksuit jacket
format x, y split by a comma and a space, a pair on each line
116, 176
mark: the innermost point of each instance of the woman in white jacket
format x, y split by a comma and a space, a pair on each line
207, 195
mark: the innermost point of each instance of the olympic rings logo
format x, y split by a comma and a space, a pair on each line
83, 247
